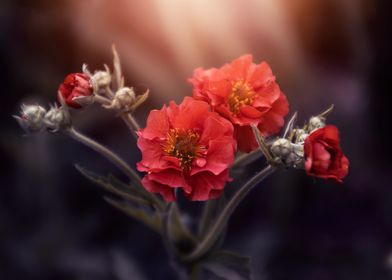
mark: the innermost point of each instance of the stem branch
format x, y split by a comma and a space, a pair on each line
215, 231
116, 160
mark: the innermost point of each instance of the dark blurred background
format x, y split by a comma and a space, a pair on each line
54, 224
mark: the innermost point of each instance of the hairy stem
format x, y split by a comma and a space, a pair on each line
245, 159
262, 144
116, 160
215, 231
131, 123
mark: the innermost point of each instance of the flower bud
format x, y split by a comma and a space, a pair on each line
300, 135
31, 118
315, 123
281, 148
100, 79
74, 87
57, 119
296, 157
123, 100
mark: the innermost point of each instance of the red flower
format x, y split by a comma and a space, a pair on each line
186, 146
75, 85
323, 156
245, 93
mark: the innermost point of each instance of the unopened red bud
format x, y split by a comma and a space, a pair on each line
74, 87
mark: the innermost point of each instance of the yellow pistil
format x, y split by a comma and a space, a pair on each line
241, 94
183, 144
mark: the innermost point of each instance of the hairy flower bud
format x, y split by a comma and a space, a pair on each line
288, 153
315, 123
296, 157
76, 90
100, 79
57, 118
300, 135
123, 100
31, 118
281, 148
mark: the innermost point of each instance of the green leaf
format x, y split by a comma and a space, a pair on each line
115, 186
152, 221
228, 265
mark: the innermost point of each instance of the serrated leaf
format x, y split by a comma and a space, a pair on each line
115, 186
228, 265
137, 213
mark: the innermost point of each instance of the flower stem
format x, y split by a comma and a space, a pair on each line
116, 160
262, 144
131, 123
245, 159
215, 231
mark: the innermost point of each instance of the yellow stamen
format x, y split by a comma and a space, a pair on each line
241, 94
184, 145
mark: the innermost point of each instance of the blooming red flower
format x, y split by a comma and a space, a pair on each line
188, 147
323, 156
75, 85
245, 93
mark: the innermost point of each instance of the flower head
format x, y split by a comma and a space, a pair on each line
76, 86
57, 118
187, 147
32, 118
245, 93
100, 79
323, 156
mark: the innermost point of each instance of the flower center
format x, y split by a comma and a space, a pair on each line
184, 145
241, 94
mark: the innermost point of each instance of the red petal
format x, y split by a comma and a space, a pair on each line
155, 187
262, 74
250, 112
157, 124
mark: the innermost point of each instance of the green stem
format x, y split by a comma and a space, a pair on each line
116, 160
165, 227
262, 144
245, 159
131, 123
206, 217
215, 231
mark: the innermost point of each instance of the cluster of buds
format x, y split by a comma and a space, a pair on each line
315, 147
289, 150
35, 118
103, 87
287, 153
80, 90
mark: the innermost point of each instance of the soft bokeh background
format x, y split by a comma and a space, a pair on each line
55, 225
